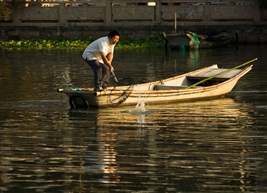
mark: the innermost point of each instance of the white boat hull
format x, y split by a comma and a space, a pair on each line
175, 89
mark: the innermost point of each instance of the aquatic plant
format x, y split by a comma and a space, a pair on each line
124, 43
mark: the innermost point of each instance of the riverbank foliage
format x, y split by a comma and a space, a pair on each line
124, 43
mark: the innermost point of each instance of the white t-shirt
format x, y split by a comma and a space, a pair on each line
92, 52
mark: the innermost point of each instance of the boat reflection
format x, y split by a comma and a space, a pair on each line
196, 146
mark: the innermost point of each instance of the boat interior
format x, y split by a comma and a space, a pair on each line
197, 78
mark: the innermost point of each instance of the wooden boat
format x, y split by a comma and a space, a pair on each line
205, 83
192, 40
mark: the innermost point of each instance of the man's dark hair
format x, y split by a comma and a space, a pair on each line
113, 33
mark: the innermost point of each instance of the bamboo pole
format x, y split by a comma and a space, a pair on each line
175, 23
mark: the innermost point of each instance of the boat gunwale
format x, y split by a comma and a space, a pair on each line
120, 88
154, 93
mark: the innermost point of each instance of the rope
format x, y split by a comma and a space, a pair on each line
131, 82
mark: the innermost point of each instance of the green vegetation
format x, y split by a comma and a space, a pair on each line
130, 43
124, 43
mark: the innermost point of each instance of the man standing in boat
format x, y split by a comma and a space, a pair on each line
99, 56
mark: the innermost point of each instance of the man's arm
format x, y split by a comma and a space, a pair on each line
107, 60
110, 57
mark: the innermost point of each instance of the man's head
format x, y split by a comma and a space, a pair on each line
113, 37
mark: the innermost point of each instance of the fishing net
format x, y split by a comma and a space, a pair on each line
194, 41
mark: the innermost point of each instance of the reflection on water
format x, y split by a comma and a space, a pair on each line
189, 147
164, 154
212, 146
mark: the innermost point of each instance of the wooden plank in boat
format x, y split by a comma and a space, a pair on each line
212, 72
166, 87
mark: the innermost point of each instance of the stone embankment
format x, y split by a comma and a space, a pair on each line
135, 18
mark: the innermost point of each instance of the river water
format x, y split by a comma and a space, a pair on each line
214, 146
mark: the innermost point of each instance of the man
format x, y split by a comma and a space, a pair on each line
99, 55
